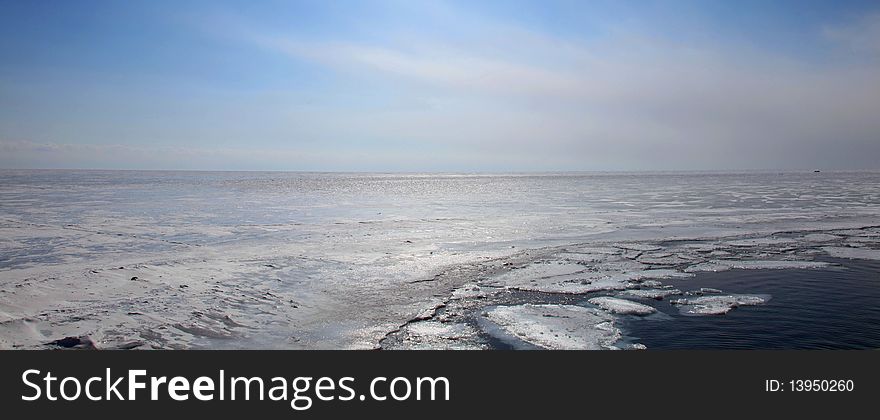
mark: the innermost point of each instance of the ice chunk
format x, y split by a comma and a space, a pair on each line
655, 274
433, 335
707, 266
852, 253
557, 326
723, 265
651, 283
621, 306
702, 291
651, 293
716, 305
773, 265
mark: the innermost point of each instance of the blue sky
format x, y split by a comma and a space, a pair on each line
440, 85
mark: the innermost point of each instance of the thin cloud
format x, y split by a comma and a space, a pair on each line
619, 97
863, 35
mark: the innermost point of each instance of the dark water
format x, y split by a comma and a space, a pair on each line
836, 308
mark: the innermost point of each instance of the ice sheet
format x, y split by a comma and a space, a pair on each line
295, 260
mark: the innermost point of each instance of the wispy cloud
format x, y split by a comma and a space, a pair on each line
433, 64
863, 35
621, 97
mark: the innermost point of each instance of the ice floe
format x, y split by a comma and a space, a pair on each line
595, 282
557, 326
621, 306
773, 265
716, 305
654, 274
724, 265
431, 335
707, 266
651, 293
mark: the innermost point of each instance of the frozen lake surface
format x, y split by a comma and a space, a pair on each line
312, 260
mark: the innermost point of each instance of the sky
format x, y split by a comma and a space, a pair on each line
452, 86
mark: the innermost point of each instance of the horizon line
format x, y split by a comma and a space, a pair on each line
459, 172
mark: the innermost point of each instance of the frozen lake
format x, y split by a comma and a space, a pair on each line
313, 260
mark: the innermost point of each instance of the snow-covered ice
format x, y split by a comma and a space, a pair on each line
621, 306
716, 305
432, 335
773, 265
651, 293
713, 266
295, 260
557, 327
471, 291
